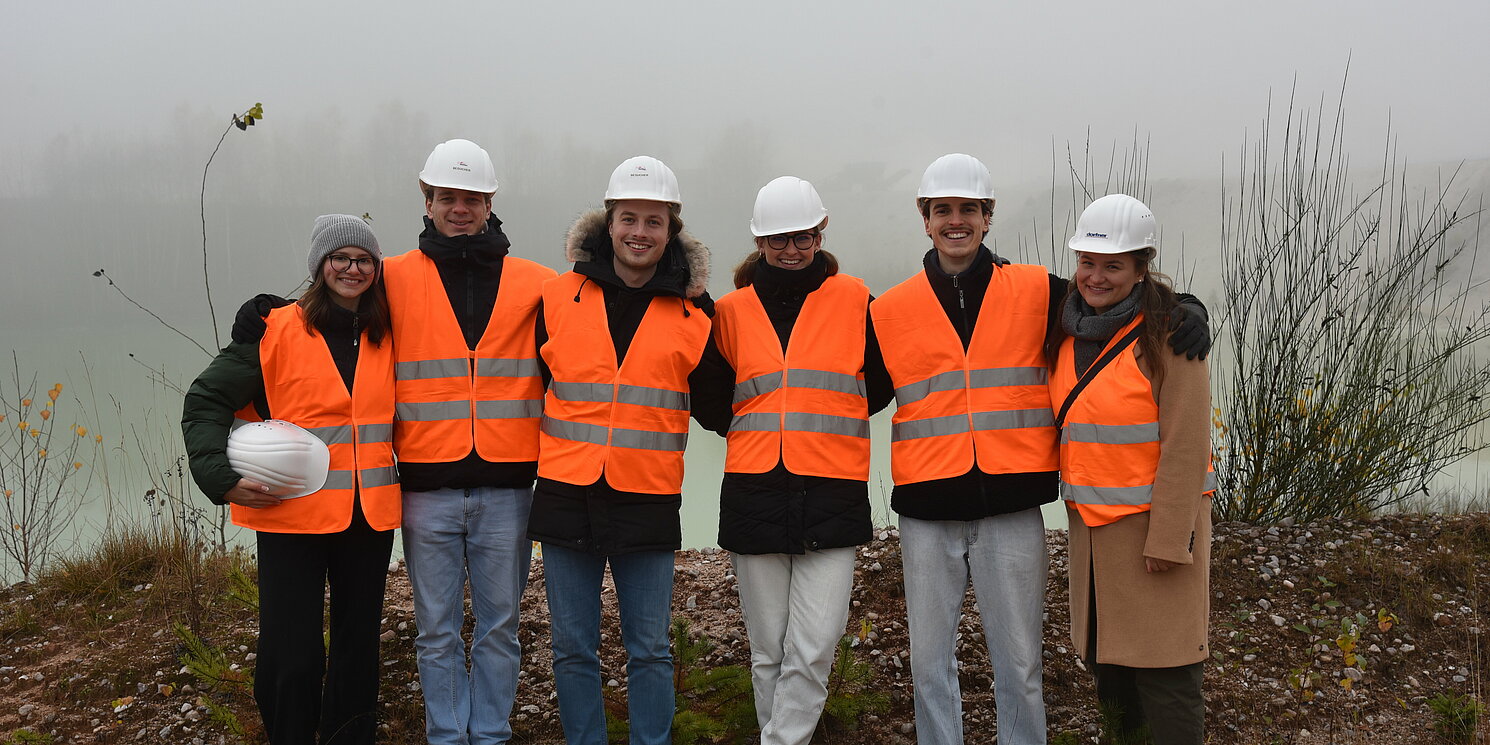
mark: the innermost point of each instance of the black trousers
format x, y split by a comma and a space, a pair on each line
294, 570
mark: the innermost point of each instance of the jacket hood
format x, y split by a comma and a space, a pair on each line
486, 247
685, 260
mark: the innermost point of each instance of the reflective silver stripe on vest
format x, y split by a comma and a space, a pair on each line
801, 422
574, 431
369, 433
1109, 495
622, 438
594, 392
951, 380
524, 408
381, 476
999, 377
984, 421
338, 480
824, 380
748, 389
760, 421
336, 435
828, 424
507, 368
1111, 434
433, 411
1210, 481
991, 377
459, 367
933, 427
640, 439
657, 398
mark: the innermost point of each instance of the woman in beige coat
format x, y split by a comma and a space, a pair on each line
1135, 453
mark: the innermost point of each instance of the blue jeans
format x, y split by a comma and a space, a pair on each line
1004, 557
451, 535
644, 592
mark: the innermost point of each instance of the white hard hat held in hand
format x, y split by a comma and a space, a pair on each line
280, 455
643, 177
460, 164
787, 205
1115, 224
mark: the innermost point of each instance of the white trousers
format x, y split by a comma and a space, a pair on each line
1003, 557
795, 607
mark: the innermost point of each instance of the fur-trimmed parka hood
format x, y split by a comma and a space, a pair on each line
684, 268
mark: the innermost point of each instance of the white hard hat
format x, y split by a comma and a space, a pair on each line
281, 455
956, 175
786, 205
460, 164
1115, 224
643, 177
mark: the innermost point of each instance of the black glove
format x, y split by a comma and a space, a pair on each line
248, 325
1190, 327
1000, 261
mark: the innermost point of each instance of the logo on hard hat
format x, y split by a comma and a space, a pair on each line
1096, 235
460, 165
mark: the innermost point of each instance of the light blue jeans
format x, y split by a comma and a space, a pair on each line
451, 535
644, 592
1005, 558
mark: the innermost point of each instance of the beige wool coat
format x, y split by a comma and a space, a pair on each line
1160, 619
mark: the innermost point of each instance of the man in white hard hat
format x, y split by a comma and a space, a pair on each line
626, 330
468, 392
974, 450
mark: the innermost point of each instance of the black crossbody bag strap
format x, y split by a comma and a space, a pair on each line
1091, 372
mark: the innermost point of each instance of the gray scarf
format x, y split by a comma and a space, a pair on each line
1091, 329
1084, 322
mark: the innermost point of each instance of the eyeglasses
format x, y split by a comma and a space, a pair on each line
365, 265
802, 241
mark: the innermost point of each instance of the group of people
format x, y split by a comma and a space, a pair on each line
480, 401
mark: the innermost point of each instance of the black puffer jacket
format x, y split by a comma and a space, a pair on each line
778, 512
597, 518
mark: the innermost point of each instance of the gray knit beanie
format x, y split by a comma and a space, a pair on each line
336, 231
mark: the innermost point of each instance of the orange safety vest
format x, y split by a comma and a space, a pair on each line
806, 407
451, 398
987, 405
1110, 439
631, 423
303, 387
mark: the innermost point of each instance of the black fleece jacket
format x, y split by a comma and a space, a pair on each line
779, 511
470, 267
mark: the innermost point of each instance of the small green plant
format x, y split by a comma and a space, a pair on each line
28, 737
1457, 716
713, 704
243, 589
1067, 737
850, 685
1115, 733
207, 662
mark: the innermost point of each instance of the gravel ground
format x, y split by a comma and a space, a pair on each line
1335, 632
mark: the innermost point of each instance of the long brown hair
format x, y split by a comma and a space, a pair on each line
1156, 301
316, 305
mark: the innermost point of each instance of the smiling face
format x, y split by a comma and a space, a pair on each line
347, 285
1104, 280
956, 226
792, 256
457, 211
638, 237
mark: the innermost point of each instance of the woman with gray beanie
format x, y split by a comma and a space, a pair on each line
324, 370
